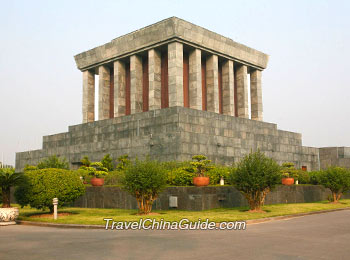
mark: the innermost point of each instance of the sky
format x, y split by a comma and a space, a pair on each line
306, 85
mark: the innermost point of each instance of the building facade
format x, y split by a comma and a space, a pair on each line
172, 90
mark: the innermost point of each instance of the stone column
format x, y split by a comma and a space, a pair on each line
212, 68
175, 74
195, 79
154, 79
256, 95
88, 96
103, 92
228, 88
119, 88
136, 84
242, 91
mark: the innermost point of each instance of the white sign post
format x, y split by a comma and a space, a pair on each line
55, 203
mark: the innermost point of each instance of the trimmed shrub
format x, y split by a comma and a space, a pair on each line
303, 177
255, 176
200, 165
53, 162
336, 179
180, 177
113, 177
95, 169
315, 177
144, 180
41, 186
217, 172
288, 170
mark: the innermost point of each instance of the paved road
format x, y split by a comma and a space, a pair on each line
322, 236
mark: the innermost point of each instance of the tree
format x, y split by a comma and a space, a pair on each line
53, 162
337, 179
144, 180
41, 186
107, 162
8, 178
255, 176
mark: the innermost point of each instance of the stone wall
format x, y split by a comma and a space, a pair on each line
175, 133
334, 156
203, 198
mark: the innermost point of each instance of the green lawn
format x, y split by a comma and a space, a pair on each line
96, 216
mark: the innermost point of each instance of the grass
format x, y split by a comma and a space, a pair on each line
96, 216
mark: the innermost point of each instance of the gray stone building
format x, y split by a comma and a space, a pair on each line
172, 90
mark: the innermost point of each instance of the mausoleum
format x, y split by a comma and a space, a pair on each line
172, 90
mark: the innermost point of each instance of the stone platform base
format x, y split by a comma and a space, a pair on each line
175, 133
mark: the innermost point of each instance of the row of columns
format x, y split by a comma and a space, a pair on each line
223, 88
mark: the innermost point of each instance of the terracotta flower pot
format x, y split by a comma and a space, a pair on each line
8, 216
97, 181
287, 181
201, 181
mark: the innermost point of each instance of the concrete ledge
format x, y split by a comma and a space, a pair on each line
200, 198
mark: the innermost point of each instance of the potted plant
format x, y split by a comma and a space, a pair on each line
200, 165
288, 172
97, 170
8, 178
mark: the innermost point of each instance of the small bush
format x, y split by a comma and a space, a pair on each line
180, 177
144, 180
315, 177
255, 176
53, 162
304, 177
41, 186
113, 177
336, 179
217, 172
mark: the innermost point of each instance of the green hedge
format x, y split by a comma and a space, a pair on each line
41, 186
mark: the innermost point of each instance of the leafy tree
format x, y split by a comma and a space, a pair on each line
144, 180
53, 162
337, 179
107, 162
8, 178
255, 176
41, 186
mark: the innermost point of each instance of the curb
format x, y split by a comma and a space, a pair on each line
45, 224
248, 222
262, 220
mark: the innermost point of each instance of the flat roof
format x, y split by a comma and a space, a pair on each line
169, 30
